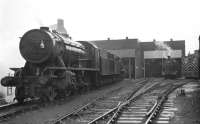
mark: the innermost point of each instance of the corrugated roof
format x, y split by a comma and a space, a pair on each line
117, 44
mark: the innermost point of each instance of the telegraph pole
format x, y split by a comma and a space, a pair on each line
199, 57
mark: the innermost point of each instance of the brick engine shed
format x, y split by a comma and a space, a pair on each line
144, 59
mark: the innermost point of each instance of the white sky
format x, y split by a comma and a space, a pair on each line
97, 20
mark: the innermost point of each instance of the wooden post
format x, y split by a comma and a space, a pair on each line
135, 68
129, 68
199, 57
144, 68
162, 71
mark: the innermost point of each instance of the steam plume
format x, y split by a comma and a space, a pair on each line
164, 47
39, 21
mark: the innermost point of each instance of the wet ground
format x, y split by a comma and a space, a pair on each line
187, 103
47, 114
182, 106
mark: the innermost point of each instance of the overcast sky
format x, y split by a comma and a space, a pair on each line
98, 20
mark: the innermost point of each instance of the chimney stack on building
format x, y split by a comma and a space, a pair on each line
60, 26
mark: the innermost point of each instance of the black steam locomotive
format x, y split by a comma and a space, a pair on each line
171, 68
57, 66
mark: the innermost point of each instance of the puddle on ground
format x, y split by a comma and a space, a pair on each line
186, 101
187, 90
191, 87
182, 105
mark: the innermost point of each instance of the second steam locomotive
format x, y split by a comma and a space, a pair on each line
171, 68
57, 66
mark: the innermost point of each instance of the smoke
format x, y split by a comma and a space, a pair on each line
164, 47
39, 21
53, 27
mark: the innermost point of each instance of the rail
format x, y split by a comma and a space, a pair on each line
60, 120
131, 99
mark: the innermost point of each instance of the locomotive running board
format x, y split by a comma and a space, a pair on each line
70, 68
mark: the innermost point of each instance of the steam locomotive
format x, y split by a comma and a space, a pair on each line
57, 66
170, 68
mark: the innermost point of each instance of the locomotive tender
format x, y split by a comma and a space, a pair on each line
57, 66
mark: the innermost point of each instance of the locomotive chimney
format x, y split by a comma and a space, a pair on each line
44, 28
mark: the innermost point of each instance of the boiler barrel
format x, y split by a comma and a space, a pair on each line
39, 45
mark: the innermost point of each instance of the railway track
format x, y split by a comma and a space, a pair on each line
168, 109
140, 107
10, 105
146, 108
10, 110
2, 101
99, 110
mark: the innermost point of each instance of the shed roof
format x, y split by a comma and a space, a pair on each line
117, 44
175, 45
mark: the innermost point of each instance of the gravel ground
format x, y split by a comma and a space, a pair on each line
47, 114
188, 105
